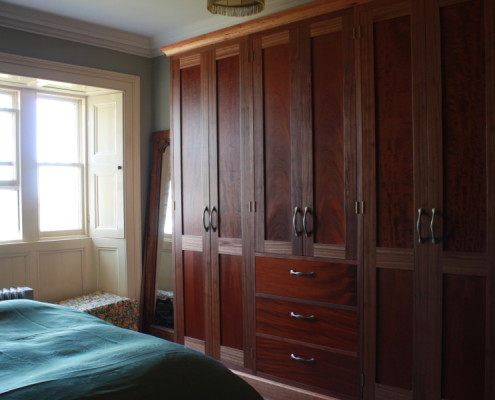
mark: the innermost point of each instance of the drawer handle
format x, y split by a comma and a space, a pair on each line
305, 317
297, 273
303, 360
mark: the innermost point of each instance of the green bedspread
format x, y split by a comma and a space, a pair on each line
52, 352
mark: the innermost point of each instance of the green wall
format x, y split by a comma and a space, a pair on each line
153, 73
161, 93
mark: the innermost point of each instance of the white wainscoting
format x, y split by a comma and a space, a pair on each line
62, 269
13, 270
110, 264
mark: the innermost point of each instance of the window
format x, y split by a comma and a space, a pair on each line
60, 165
54, 144
61, 158
10, 228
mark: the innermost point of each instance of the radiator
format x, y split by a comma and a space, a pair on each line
16, 293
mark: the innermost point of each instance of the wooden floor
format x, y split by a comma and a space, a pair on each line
271, 390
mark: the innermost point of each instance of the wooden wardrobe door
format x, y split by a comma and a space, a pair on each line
394, 150
461, 154
277, 151
191, 198
225, 197
329, 140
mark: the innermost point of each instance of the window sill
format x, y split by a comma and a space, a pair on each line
47, 240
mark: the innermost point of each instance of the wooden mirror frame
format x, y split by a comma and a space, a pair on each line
159, 143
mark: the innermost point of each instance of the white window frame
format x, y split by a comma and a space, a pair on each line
26, 182
16, 183
15, 111
130, 86
82, 165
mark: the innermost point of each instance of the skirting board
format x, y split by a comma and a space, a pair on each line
271, 390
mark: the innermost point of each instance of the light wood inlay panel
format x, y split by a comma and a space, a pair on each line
228, 51
326, 27
192, 243
275, 39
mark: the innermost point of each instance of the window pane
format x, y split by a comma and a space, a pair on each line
9, 215
60, 198
8, 148
57, 128
6, 100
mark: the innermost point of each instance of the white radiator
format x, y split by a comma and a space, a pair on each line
16, 293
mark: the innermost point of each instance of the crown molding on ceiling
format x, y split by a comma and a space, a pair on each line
42, 23
48, 24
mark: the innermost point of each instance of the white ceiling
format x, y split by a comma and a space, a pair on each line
135, 26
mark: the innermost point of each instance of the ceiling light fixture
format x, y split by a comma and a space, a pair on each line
235, 8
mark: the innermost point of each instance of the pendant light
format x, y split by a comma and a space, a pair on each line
235, 8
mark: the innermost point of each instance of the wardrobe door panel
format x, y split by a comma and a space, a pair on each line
394, 199
192, 151
231, 309
463, 237
228, 147
391, 175
394, 138
273, 142
194, 295
277, 146
394, 328
328, 121
464, 127
226, 197
463, 337
191, 197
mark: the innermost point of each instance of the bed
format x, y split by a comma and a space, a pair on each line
49, 351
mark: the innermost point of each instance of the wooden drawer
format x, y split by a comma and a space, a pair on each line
328, 370
310, 280
330, 327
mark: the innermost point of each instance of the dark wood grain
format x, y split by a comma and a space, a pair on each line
301, 133
192, 150
175, 120
277, 142
394, 140
331, 327
160, 141
248, 194
231, 304
333, 371
333, 283
229, 153
464, 337
394, 342
194, 295
489, 19
464, 127
328, 130
351, 137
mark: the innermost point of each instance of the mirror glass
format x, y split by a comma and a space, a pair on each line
164, 294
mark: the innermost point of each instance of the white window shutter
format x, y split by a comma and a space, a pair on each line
105, 166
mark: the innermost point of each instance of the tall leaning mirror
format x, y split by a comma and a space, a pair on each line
157, 299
